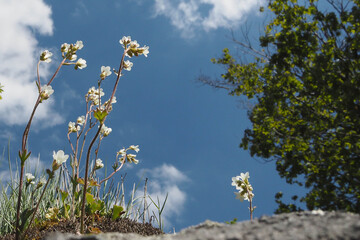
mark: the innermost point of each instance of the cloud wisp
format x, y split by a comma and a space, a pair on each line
19, 52
188, 16
166, 180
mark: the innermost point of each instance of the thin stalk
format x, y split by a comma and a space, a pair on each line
145, 190
23, 147
251, 210
93, 141
86, 180
37, 206
11, 177
19, 203
118, 169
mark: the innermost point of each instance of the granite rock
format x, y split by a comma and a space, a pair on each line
298, 225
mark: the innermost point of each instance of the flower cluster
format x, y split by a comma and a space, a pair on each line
73, 127
129, 157
133, 48
46, 56
98, 164
80, 120
69, 52
76, 126
242, 184
105, 131
94, 95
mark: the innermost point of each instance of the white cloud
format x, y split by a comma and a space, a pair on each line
191, 15
19, 52
164, 180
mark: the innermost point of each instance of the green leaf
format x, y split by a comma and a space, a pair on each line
117, 212
64, 195
100, 115
93, 183
23, 156
24, 216
80, 181
89, 198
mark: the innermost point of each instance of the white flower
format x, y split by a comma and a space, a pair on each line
78, 45
135, 148
94, 91
134, 44
81, 63
125, 40
29, 178
91, 90
98, 164
41, 182
131, 158
128, 65
93, 95
243, 197
121, 152
105, 71
113, 100
80, 120
46, 56
65, 47
105, 131
46, 91
99, 92
242, 184
240, 196
244, 176
144, 50
236, 182
73, 57
96, 100
60, 157
72, 127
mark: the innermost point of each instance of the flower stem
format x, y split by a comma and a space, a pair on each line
17, 230
86, 180
92, 143
23, 150
37, 206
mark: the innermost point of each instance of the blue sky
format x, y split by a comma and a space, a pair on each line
188, 133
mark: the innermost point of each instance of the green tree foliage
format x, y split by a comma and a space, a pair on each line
305, 82
1, 90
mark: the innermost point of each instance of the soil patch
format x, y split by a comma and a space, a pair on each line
104, 224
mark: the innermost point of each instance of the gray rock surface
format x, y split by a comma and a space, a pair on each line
299, 225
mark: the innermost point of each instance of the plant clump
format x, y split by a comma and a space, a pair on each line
103, 225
